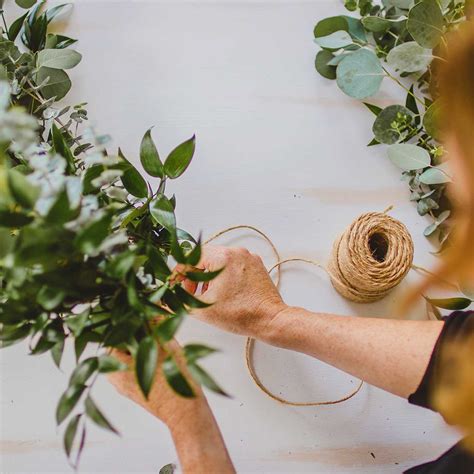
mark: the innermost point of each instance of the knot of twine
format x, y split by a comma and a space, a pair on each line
368, 260
371, 257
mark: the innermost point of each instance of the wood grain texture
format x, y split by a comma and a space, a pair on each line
278, 147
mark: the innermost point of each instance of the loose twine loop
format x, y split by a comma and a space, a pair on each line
367, 261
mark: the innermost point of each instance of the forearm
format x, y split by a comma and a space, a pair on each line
199, 443
390, 354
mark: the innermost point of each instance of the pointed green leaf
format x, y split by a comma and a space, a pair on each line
162, 212
149, 156
180, 158
60, 146
451, 303
167, 329
70, 434
145, 364
68, 401
84, 371
193, 352
93, 412
203, 378
176, 379
110, 364
24, 193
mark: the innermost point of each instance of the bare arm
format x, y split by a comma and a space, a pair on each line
390, 354
197, 438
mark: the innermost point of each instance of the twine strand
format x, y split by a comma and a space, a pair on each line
368, 260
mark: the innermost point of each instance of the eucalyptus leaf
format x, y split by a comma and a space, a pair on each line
336, 40
376, 24
382, 128
327, 26
360, 74
58, 58
409, 57
435, 175
25, 3
409, 157
321, 64
426, 24
58, 84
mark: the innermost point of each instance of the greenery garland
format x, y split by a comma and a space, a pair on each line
403, 41
84, 239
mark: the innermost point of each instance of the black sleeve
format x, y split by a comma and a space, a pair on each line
456, 324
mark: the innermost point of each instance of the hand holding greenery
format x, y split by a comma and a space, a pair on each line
84, 238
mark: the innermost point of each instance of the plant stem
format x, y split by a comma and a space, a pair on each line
403, 86
4, 23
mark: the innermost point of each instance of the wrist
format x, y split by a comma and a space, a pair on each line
276, 328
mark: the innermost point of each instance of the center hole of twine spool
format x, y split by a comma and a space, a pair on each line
378, 246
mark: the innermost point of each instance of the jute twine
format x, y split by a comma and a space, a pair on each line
368, 260
371, 257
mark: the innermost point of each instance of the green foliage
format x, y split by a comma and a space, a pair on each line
402, 41
86, 240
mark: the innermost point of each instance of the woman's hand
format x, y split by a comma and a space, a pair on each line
162, 401
245, 300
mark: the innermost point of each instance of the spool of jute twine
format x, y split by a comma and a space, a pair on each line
371, 257
368, 260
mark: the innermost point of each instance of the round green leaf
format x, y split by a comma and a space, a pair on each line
25, 3
409, 157
432, 118
382, 127
409, 57
58, 84
425, 23
403, 4
321, 63
435, 175
58, 58
355, 28
336, 40
376, 24
330, 25
360, 74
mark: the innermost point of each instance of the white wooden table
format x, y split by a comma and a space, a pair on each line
278, 147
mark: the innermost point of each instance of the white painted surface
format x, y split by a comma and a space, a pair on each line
278, 147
